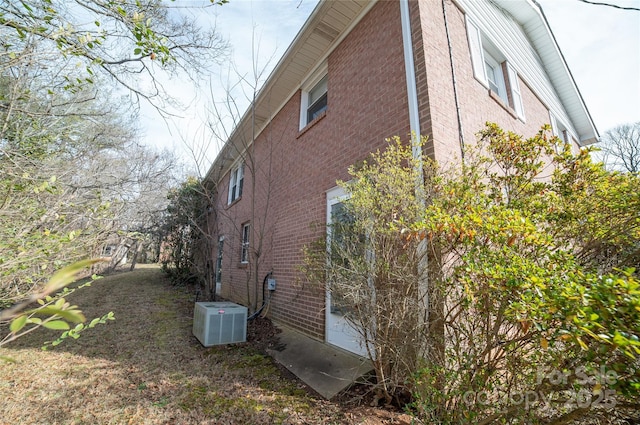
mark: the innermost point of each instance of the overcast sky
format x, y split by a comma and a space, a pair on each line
600, 44
602, 48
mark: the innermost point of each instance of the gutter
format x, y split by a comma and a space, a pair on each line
409, 66
416, 149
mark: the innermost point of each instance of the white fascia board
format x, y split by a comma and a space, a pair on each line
533, 20
283, 63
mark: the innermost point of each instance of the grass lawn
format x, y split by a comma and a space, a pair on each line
147, 368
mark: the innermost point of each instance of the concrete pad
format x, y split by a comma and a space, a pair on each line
325, 368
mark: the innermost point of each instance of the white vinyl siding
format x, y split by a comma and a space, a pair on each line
488, 62
509, 37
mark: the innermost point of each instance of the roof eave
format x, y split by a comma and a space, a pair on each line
283, 80
563, 81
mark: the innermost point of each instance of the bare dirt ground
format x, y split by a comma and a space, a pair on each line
147, 368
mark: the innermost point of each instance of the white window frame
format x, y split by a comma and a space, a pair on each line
560, 130
236, 182
484, 54
554, 124
516, 93
335, 196
245, 243
498, 86
319, 76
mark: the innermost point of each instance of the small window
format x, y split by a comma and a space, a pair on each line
495, 76
244, 250
317, 100
490, 66
313, 102
236, 182
560, 130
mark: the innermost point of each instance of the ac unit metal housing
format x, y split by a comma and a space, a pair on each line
217, 323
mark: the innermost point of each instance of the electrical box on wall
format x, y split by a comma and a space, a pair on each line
271, 284
216, 323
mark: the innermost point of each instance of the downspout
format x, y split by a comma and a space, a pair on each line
409, 66
416, 148
453, 79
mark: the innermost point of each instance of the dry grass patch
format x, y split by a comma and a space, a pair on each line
147, 368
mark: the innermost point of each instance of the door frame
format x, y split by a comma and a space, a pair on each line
338, 331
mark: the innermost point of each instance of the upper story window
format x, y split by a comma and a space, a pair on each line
317, 100
561, 131
314, 97
236, 181
491, 68
495, 76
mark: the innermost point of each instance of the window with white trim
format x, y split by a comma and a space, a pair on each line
490, 66
246, 237
236, 181
313, 99
516, 94
495, 76
560, 130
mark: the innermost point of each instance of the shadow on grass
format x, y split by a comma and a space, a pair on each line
147, 367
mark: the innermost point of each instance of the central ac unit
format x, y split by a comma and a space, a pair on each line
216, 323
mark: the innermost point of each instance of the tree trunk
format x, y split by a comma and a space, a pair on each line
134, 260
121, 252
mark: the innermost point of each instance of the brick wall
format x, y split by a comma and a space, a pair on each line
367, 102
475, 101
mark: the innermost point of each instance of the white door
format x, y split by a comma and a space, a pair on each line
338, 331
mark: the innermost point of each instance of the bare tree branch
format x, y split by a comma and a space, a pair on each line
621, 147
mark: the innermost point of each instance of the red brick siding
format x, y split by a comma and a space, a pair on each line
367, 102
477, 106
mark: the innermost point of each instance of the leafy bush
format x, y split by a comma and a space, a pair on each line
373, 269
186, 234
539, 298
503, 289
